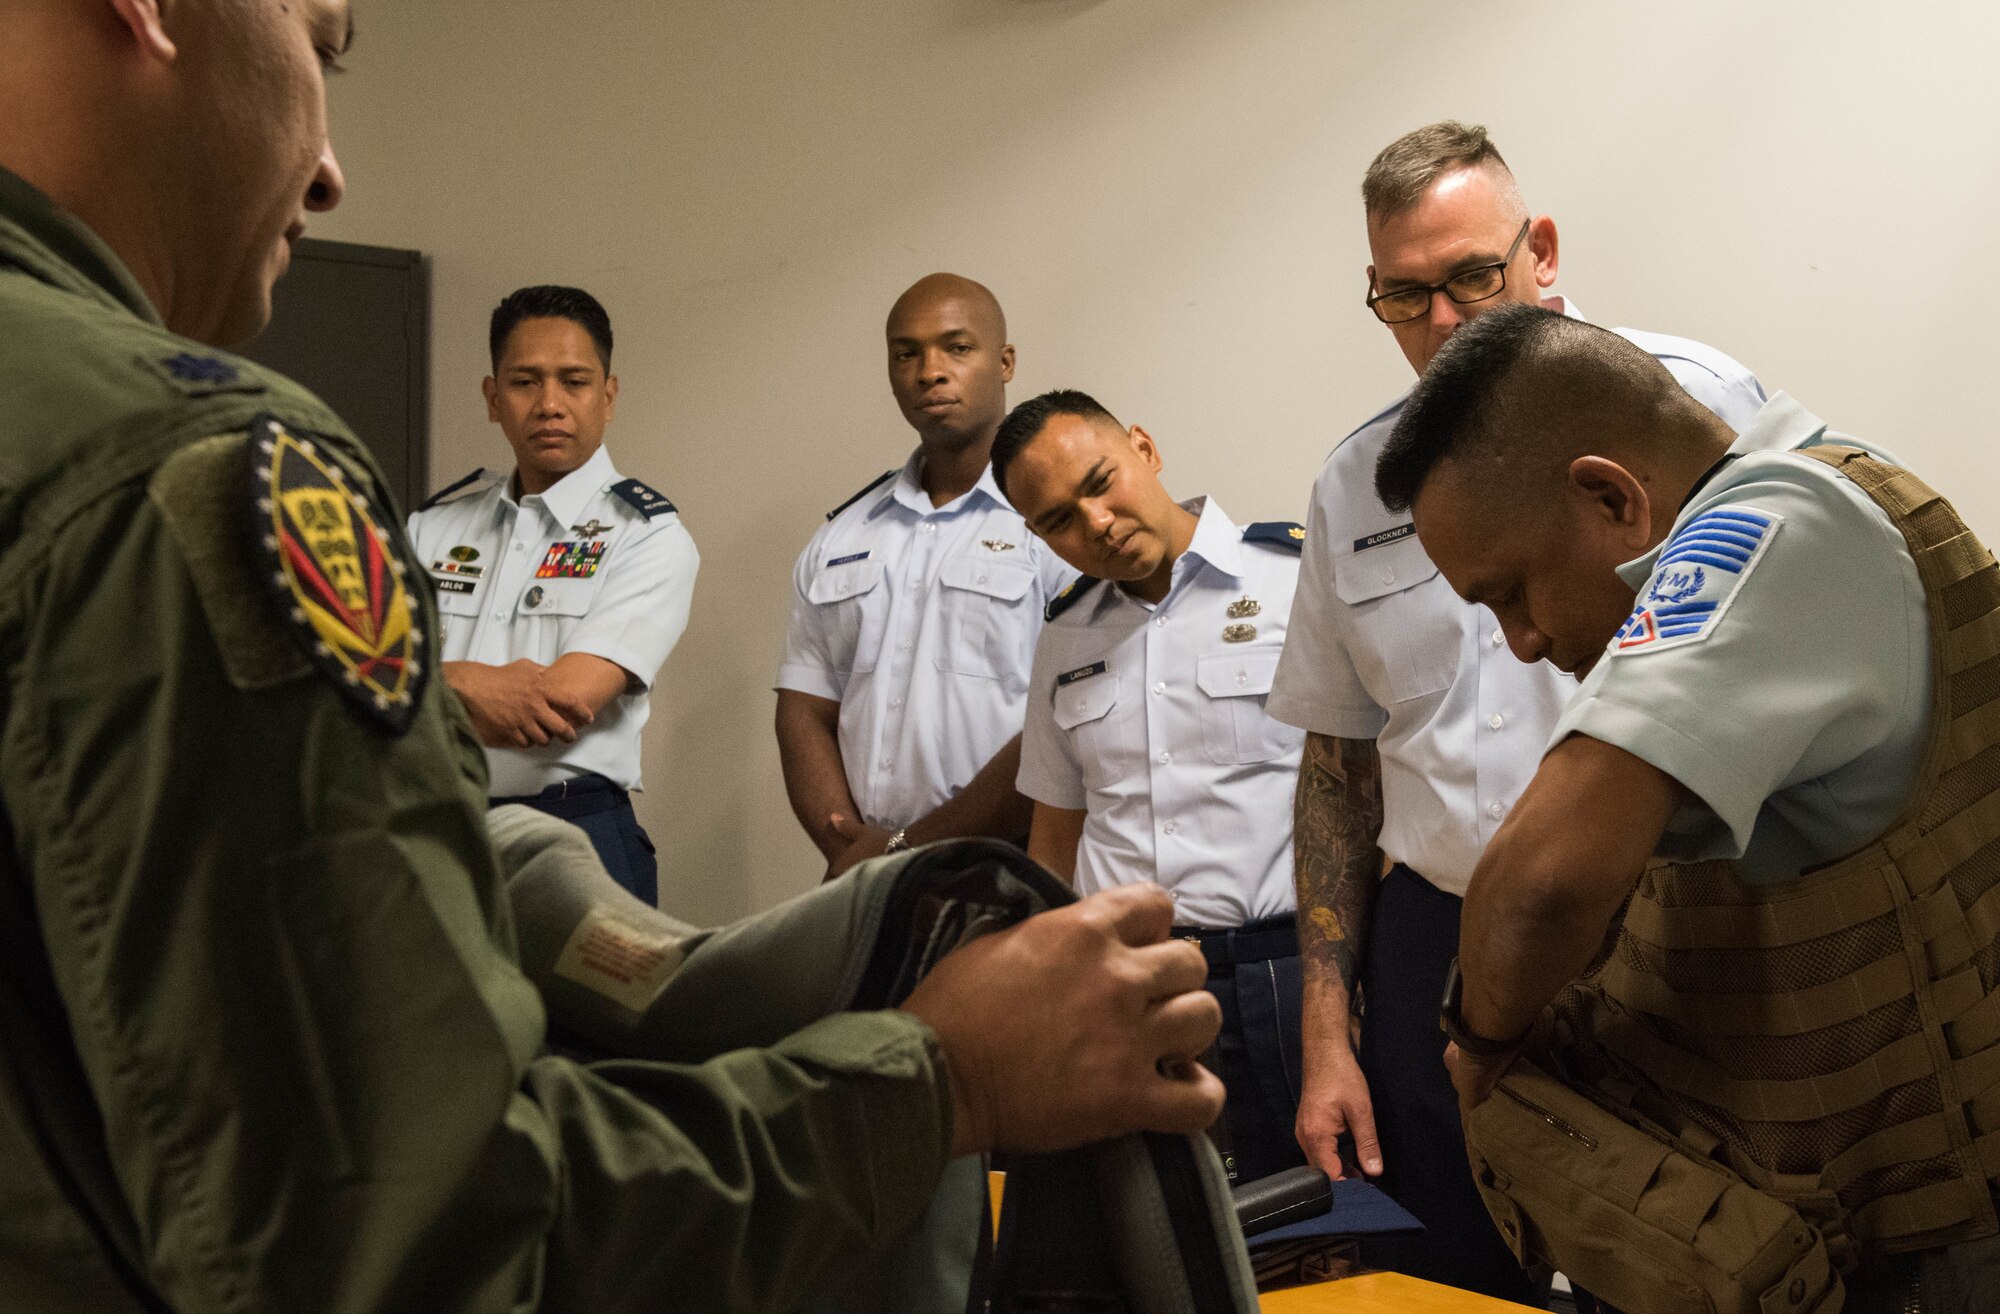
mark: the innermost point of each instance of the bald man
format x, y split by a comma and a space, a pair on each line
916, 611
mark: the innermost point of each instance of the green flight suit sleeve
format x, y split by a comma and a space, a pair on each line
288, 971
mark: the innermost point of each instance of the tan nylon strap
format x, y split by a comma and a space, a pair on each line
1926, 1209
1983, 1112
1987, 1148
1979, 1025
1973, 731
1953, 843
1846, 899
1789, 1013
1681, 1207
1905, 1142
1959, 557
1972, 643
1977, 1073
1805, 1099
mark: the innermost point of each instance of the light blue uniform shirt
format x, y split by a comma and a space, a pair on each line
920, 621
1777, 662
1151, 718
1381, 648
577, 568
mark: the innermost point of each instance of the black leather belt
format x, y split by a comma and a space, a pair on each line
578, 796
1252, 942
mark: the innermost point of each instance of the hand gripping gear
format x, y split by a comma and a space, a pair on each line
1140, 1225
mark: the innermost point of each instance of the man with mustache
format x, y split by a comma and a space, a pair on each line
562, 585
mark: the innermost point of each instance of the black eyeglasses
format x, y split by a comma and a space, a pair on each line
1465, 287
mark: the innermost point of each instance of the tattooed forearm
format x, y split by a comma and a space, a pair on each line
1336, 860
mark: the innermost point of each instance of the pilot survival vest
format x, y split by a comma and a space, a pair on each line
1836, 1041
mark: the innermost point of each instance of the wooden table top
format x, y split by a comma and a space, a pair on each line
1382, 1293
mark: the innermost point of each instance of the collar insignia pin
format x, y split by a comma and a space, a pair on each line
1243, 607
1238, 633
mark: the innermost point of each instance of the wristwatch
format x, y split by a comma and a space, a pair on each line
1453, 1022
898, 841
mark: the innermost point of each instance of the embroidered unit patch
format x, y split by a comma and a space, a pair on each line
1696, 578
335, 575
571, 560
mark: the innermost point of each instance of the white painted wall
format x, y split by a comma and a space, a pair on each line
1164, 195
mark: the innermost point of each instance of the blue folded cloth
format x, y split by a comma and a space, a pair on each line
1359, 1209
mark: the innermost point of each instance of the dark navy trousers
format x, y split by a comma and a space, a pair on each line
1253, 972
603, 811
1412, 938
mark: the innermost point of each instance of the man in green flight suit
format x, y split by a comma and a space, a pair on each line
264, 1044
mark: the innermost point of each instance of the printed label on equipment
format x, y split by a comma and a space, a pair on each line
625, 963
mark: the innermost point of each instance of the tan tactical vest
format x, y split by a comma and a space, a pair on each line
1837, 1041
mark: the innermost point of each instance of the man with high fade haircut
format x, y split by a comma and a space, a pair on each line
1421, 730
916, 609
1771, 788
265, 1039
561, 584
1147, 749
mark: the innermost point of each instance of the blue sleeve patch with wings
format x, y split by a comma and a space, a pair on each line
1696, 578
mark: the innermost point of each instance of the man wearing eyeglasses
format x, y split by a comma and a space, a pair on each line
1422, 729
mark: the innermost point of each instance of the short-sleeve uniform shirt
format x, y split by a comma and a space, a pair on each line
1777, 660
597, 564
1381, 648
1151, 718
920, 621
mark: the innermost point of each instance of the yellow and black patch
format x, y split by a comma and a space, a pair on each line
336, 574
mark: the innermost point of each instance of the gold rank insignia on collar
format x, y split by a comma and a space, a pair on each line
335, 575
1238, 633
590, 528
997, 545
1244, 607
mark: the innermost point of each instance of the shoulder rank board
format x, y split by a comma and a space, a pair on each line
1069, 597
641, 498
335, 576
450, 491
870, 487
1283, 534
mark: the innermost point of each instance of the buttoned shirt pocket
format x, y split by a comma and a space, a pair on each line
989, 616
852, 611
1086, 714
1234, 727
1408, 622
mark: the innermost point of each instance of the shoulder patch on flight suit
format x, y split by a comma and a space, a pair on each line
1287, 535
445, 494
335, 574
1698, 575
641, 498
197, 491
1069, 597
871, 486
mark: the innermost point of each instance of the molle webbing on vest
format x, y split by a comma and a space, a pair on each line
1839, 1038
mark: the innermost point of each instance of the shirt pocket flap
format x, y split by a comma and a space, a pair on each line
848, 580
1008, 581
1237, 674
1086, 700
1376, 572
